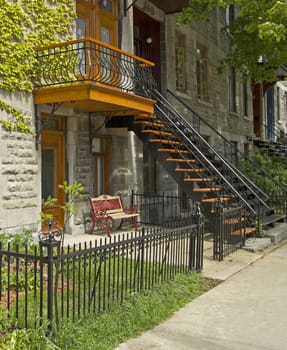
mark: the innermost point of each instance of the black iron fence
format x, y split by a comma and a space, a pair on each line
229, 229
158, 209
52, 282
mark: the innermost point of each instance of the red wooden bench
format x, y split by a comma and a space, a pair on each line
106, 208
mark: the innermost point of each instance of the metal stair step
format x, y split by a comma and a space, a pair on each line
191, 170
190, 179
271, 219
147, 123
215, 199
172, 150
166, 142
244, 231
206, 189
157, 132
180, 160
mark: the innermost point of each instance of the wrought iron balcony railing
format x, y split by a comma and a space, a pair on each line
92, 61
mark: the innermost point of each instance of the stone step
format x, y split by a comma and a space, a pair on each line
277, 233
255, 244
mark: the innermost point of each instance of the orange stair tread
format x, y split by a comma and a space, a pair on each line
180, 160
215, 200
190, 170
233, 221
157, 132
172, 150
207, 189
248, 231
198, 179
165, 141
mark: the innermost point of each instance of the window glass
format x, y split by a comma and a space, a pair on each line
234, 152
81, 28
48, 173
105, 35
51, 123
81, 32
98, 145
100, 176
106, 5
232, 90
245, 99
100, 149
180, 62
202, 72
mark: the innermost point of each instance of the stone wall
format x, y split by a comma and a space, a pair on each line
234, 126
19, 174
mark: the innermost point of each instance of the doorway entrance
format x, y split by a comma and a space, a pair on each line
53, 169
147, 41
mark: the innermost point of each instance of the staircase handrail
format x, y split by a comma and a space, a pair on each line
214, 151
233, 147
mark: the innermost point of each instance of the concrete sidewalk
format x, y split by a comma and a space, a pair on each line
245, 312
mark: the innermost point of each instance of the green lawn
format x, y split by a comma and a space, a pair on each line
139, 312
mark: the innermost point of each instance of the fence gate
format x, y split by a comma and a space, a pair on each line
228, 231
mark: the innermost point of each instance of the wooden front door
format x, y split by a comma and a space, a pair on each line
53, 165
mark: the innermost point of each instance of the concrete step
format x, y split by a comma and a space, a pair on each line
277, 233
255, 244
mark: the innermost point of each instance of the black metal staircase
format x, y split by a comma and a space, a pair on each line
274, 148
206, 173
274, 193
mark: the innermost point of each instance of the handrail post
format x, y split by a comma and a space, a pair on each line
50, 241
196, 248
218, 232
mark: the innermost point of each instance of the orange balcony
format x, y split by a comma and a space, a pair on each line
92, 76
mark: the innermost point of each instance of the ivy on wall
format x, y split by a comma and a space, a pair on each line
25, 25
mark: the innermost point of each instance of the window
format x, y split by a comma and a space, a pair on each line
150, 172
95, 15
244, 99
246, 149
107, 5
202, 72
101, 151
230, 16
180, 62
278, 102
232, 90
234, 152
